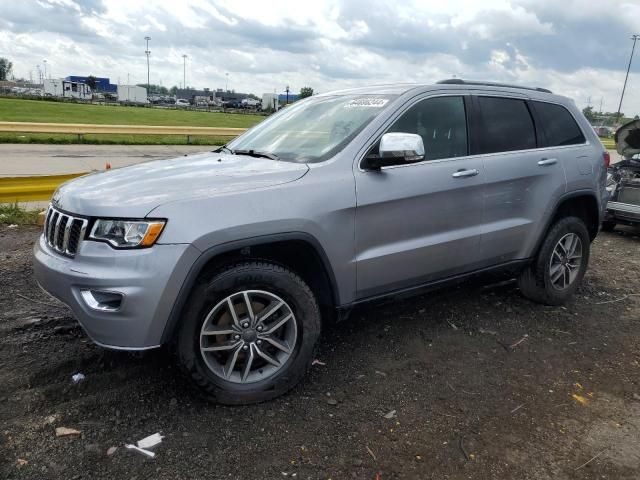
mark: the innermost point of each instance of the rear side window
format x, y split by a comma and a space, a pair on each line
506, 125
559, 126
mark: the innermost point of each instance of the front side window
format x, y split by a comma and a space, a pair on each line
560, 128
442, 124
314, 129
506, 125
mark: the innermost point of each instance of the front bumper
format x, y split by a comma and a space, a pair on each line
148, 279
626, 212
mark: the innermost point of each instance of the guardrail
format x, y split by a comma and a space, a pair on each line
31, 189
85, 128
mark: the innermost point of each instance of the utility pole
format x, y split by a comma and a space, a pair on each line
44, 62
147, 53
184, 70
601, 99
226, 87
624, 87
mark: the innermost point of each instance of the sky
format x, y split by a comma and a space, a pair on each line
578, 48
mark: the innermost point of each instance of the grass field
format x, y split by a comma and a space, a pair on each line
608, 143
17, 110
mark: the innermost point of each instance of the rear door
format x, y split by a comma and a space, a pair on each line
522, 180
417, 222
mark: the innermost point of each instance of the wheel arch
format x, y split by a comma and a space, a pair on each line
299, 251
582, 204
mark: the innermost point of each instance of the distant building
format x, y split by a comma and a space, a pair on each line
103, 84
57, 87
132, 94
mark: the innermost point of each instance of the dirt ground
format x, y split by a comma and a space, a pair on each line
472, 382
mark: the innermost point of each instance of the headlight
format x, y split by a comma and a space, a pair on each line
127, 233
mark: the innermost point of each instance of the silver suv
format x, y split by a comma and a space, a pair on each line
236, 258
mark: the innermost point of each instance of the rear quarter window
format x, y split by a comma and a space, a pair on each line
559, 126
506, 125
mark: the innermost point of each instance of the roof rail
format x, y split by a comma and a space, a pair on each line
459, 81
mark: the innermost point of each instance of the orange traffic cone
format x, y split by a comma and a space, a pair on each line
107, 166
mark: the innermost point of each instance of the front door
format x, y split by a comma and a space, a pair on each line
419, 222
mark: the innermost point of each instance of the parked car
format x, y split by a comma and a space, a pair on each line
623, 181
181, 102
237, 258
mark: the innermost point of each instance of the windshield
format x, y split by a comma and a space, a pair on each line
314, 129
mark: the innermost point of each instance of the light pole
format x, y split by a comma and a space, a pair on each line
624, 87
147, 53
226, 86
287, 90
44, 62
184, 70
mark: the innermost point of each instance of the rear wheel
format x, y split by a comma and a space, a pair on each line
559, 267
249, 333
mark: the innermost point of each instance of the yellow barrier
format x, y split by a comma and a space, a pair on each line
31, 189
83, 128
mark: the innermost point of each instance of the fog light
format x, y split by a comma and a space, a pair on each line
102, 300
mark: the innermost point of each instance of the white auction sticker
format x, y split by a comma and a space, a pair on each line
367, 103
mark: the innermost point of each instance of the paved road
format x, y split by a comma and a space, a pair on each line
30, 159
33, 159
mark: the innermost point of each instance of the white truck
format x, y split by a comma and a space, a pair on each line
132, 94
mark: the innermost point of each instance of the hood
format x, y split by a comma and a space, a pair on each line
627, 139
135, 190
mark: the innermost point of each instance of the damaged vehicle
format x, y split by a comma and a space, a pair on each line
235, 259
623, 180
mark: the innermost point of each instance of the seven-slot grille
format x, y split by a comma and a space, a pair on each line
63, 232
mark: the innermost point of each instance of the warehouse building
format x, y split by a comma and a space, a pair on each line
103, 84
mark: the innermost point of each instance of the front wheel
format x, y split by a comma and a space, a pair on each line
560, 265
249, 333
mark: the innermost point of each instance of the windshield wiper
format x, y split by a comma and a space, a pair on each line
257, 154
223, 147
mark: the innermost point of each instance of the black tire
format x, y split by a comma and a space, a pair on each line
608, 226
254, 275
535, 282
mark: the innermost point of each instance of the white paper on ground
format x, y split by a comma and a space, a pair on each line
141, 450
150, 441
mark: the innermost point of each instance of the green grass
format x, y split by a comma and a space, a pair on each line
608, 143
17, 110
13, 214
96, 139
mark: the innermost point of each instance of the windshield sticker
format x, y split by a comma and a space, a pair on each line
367, 103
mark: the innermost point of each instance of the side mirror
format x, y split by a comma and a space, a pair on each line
396, 148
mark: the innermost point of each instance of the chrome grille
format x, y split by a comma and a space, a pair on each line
63, 232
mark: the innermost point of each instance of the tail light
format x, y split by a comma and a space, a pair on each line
606, 158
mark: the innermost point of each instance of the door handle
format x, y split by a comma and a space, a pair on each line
547, 161
466, 173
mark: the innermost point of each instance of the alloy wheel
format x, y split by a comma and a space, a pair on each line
565, 261
248, 336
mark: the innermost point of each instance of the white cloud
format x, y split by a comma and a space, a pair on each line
575, 47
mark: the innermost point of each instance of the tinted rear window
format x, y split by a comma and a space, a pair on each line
559, 126
506, 125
